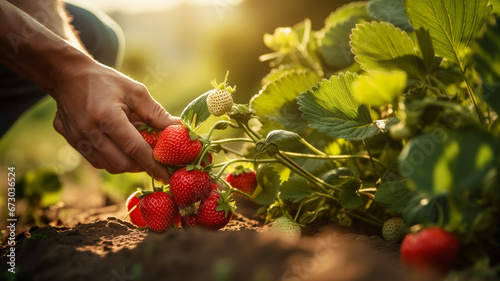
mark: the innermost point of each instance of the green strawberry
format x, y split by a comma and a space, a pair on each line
393, 229
220, 99
177, 146
286, 228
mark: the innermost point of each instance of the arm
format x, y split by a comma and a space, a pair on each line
95, 104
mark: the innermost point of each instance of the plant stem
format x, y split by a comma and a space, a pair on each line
224, 167
234, 190
331, 157
311, 147
231, 140
371, 159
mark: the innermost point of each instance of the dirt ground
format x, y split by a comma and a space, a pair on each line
98, 245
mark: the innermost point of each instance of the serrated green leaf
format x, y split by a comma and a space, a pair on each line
198, 107
380, 88
346, 13
440, 163
453, 24
295, 189
269, 180
392, 11
332, 108
334, 37
380, 46
395, 195
276, 103
348, 197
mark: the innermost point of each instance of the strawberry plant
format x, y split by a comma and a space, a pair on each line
389, 110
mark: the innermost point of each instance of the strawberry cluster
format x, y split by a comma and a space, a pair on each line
191, 199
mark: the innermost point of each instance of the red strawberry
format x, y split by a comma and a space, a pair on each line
207, 160
177, 146
158, 210
431, 248
150, 134
188, 187
215, 211
243, 179
214, 186
135, 215
189, 221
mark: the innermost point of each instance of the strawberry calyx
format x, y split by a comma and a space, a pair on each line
148, 128
223, 86
189, 210
226, 203
238, 170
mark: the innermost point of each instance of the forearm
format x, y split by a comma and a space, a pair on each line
32, 50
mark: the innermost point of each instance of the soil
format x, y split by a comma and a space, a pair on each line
98, 245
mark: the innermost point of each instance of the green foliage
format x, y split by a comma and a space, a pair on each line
269, 180
295, 189
453, 25
196, 112
348, 195
276, 103
448, 162
334, 37
392, 11
331, 107
380, 46
380, 88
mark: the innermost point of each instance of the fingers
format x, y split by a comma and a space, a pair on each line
128, 140
150, 110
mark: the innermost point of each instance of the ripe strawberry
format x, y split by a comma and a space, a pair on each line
135, 215
215, 211
150, 134
220, 99
219, 102
188, 187
243, 179
431, 248
189, 221
177, 146
287, 228
393, 229
158, 210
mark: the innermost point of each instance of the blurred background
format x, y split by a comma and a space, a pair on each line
174, 47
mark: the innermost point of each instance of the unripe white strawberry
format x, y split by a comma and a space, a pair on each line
287, 228
393, 229
219, 102
220, 99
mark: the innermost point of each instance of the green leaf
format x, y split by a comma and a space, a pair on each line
392, 11
334, 37
332, 108
270, 181
446, 163
346, 13
487, 60
431, 61
348, 196
295, 189
395, 195
198, 107
380, 88
453, 24
380, 46
276, 103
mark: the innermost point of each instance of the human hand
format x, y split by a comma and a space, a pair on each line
97, 108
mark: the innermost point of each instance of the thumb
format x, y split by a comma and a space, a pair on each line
153, 113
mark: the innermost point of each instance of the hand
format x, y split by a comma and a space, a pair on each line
96, 109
